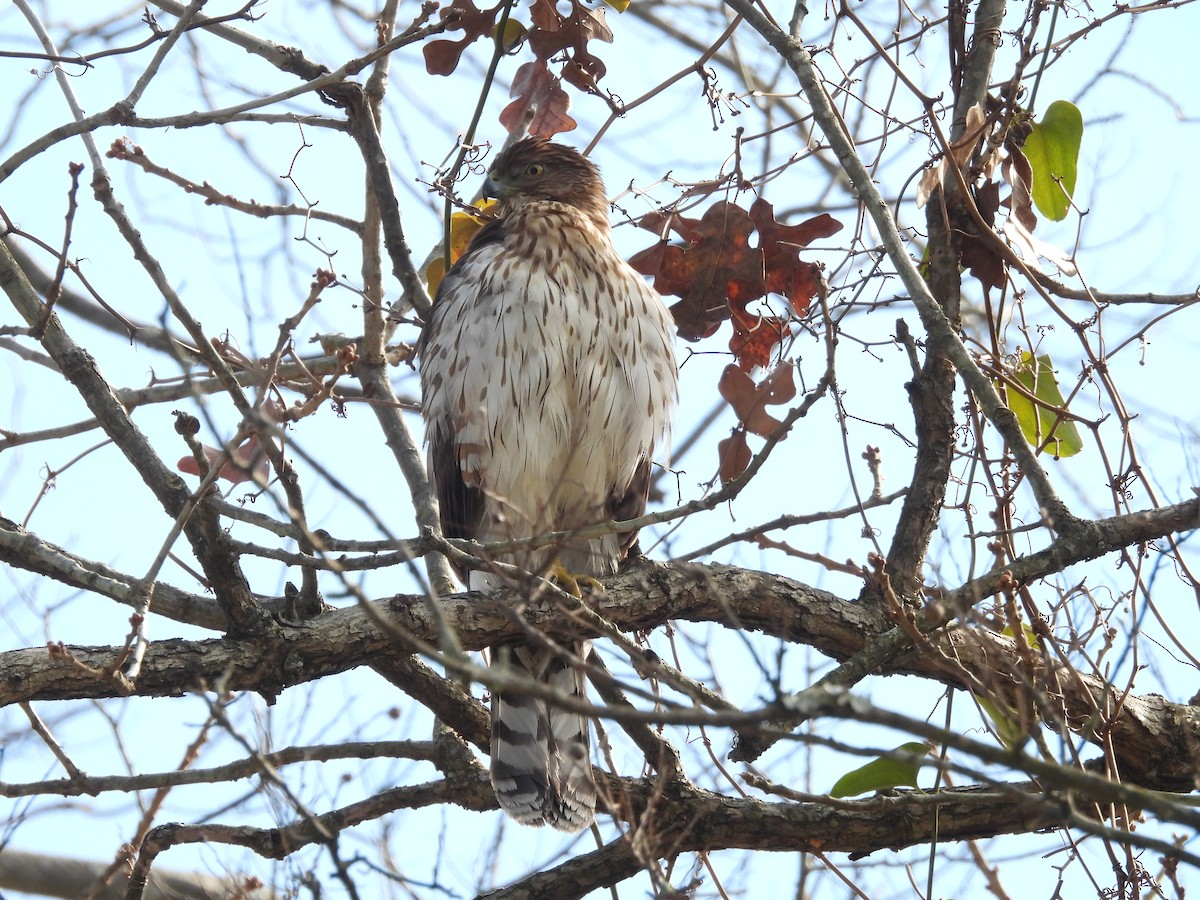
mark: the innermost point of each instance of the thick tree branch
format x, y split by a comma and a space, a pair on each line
1099, 538
24, 550
45, 875
674, 818
931, 392
1154, 739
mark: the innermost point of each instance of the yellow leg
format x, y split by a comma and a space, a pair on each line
571, 582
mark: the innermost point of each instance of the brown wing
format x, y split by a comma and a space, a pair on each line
460, 505
630, 504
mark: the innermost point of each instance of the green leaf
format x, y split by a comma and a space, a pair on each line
1031, 637
1037, 422
883, 773
1052, 149
1007, 726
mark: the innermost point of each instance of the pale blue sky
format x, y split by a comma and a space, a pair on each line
1137, 179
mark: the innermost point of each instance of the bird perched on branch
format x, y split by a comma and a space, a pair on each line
548, 381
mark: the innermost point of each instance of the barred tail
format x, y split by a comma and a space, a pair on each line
541, 770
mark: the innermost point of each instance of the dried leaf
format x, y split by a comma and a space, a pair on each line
556, 34
545, 16
973, 133
754, 338
779, 386
717, 272
583, 71
1030, 248
979, 252
1019, 175
749, 400
442, 56
931, 180
246, 462
536, 88
734, 456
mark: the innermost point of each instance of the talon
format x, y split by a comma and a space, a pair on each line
572, 582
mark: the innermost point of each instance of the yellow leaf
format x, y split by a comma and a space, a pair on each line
463, 228
434, 273
514, 33
619, 5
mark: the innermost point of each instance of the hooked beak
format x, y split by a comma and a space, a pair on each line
492, 190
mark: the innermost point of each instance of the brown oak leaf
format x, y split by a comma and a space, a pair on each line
247, 462
555, 33
1019, 174
734, 456
536, 88
545, 16
750, 400
718, 272
754, 337
442, 56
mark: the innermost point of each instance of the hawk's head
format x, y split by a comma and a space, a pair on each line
535, 170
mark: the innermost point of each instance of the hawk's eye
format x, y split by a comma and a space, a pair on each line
534, 169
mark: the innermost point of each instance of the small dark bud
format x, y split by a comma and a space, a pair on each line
185, 424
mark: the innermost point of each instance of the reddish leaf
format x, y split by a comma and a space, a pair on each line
537, 89
718, 273
555, 33
734, 456
248, 460
754, 337
545, 16
779, 386
780, 244
583, 70
774, 234
663, 223
566, 33
442, 57
749, 400
717, 252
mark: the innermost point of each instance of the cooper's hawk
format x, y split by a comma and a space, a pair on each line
548, 380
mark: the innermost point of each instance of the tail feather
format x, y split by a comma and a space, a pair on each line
541, 770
